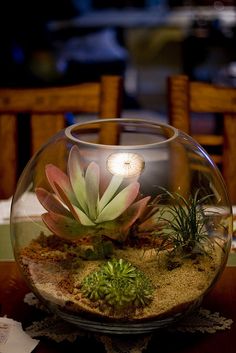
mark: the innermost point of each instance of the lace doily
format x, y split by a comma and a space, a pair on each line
58, 330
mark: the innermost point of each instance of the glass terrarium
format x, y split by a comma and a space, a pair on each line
122, 238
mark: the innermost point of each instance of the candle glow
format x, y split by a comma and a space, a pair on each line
125, 164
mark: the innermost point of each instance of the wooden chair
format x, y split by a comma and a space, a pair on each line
186, 97
47, 108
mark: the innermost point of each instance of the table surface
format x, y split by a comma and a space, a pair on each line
221, 299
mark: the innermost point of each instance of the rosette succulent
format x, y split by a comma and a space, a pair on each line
118, 285
76, 207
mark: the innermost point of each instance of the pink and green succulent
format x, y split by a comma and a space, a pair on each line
76, 208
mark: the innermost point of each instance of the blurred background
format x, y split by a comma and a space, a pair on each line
62, 42
57, 42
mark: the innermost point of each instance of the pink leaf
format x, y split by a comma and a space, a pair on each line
50, 202
134, 212
55, 175
79, 215
119, 228
64, 227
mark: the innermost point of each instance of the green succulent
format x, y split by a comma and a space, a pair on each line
119, 285
76, 207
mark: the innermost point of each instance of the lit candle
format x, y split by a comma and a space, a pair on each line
125, 164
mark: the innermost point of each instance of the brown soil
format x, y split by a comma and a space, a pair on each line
55, 273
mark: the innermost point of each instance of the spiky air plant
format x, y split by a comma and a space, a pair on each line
186, 225
119, 285
76, 208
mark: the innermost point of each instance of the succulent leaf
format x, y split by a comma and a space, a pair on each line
110, 191
118, 229
65, 199
84, 219
76, 212
119, 203
55, 175
134, 212
75, 173
76, 201
50, 202
65, 227
92, 189
118, 285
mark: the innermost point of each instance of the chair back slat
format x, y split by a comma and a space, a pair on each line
47, 108
51, 124
210, 98
229, 154
84, 97
8, 155
186, 97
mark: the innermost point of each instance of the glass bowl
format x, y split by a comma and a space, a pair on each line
122, 238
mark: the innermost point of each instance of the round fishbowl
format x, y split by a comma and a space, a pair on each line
121, 238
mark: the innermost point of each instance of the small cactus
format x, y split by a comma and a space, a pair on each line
119, 285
